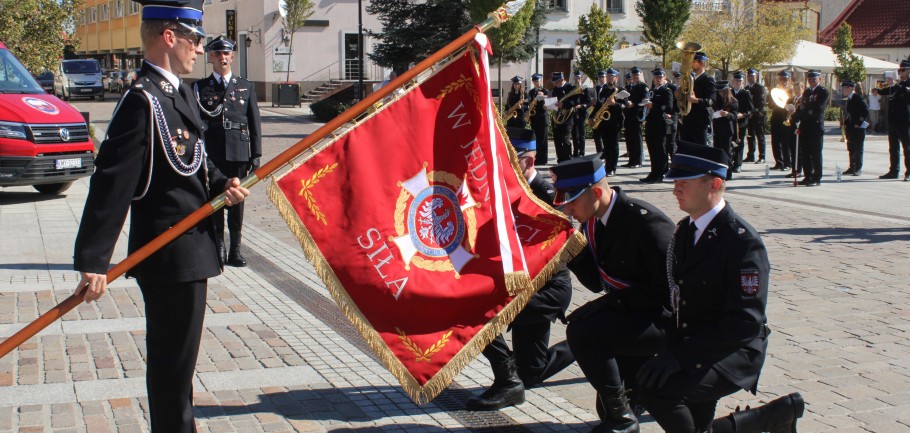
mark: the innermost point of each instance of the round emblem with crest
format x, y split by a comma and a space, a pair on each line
435, 222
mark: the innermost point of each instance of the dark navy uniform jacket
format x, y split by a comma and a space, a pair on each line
616, 110
857, 113
540, 113
660, 116
723, 287
898, 103
699, 117
242, 141
637, 93
632, 248
744, 100
811, 110
133, 173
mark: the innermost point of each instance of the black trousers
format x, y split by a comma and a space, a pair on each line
539, 125
609, 135
561, 139
724, 141
739, 145
695, 133
686, 403
173, 316
578, 133
599, 337
633, 138
783, 141
598, 141
756, 130
811, 141
235, 212
899, 136
658, 141
536, 361
856, 140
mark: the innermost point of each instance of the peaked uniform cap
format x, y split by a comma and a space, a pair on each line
522, 140
692, 161
187, 13
572, 177
220, 44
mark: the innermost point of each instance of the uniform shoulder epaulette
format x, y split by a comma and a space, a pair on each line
141, 83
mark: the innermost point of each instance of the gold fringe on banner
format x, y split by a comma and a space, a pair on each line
517, 282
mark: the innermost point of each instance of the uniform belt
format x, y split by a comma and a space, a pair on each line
233, 125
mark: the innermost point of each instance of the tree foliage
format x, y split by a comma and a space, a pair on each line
413, 31
663, 22
747, 34
296, 14
595, 42
36, 30
516, 39
851, 65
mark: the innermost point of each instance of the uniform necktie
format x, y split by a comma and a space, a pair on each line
689, 243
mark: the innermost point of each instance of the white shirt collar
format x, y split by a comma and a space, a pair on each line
226, 77
606, 216
703, 221
169, 76
533, 176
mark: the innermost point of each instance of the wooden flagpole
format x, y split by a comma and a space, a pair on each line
494, 19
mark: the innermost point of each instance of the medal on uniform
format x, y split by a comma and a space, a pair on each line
178, 148
179, 132
241, 102
186, 134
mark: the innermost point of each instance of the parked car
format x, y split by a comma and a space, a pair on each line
128, 81
46, 80
44, 142
115, 81
79, 78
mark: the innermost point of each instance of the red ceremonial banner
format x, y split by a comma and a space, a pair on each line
400, 217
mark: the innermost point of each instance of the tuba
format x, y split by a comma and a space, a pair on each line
563, 114
685, 80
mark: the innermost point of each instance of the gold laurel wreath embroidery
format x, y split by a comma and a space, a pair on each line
465, 82
423, 355
554, 232
306, 184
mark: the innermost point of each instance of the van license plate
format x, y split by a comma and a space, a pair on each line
69, 163
85, 90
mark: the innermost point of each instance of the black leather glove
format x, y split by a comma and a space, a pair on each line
254, 164
655, 372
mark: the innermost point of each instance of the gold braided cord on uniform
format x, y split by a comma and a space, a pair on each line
473, 348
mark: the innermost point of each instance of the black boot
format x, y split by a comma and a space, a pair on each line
778, 416
222, 252
507, 389
235, 259
613, 408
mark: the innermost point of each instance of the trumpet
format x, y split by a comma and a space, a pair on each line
513, 110
563, 115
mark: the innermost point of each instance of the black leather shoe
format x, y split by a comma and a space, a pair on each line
849, 172
625, 155
857, 172
630, 165
889, 175
791, 175
749, 159
777, 167
737, 170
235, 259
611, 173
806, 181
760, 161
907, 178
785, 168
652, 180
814, 183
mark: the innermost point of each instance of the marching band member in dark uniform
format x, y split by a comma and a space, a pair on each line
608, 130
811, 115
561, 131
625, 259
638, 92
582, 102
153, 165
744, 113
719, 274
783, 137
657, 126
593, 94
898, 121
855, 124
674, 126
516, 98
539, 118
757, 118
532, 360
696, 126
724, 123
233, 139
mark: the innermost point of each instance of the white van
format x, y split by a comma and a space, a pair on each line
79, 78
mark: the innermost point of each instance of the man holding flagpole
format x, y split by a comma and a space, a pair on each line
626, 260
151, 165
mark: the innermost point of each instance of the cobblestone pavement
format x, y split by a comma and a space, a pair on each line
277, 357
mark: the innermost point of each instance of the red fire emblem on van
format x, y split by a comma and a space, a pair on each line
41, 105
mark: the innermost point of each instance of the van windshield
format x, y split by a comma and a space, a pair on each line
81, 67
14, 78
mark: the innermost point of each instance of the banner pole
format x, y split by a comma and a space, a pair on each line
494, 19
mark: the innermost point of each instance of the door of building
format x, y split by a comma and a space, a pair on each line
556, 60
242, 55
351, 59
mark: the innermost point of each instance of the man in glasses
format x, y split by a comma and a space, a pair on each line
152, 165
233, 140
898, 94
626, 260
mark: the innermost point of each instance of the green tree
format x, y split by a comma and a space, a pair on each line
663, 22
516, 39
746, 34
851, 65
295, 13
413, 31
36, 30
596, 41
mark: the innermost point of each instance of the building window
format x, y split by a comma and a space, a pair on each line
134, 8
82, 17
93, 16
559, 5
104, 15
118, 8
613, 6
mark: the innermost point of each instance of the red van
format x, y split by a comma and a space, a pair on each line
44, 142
